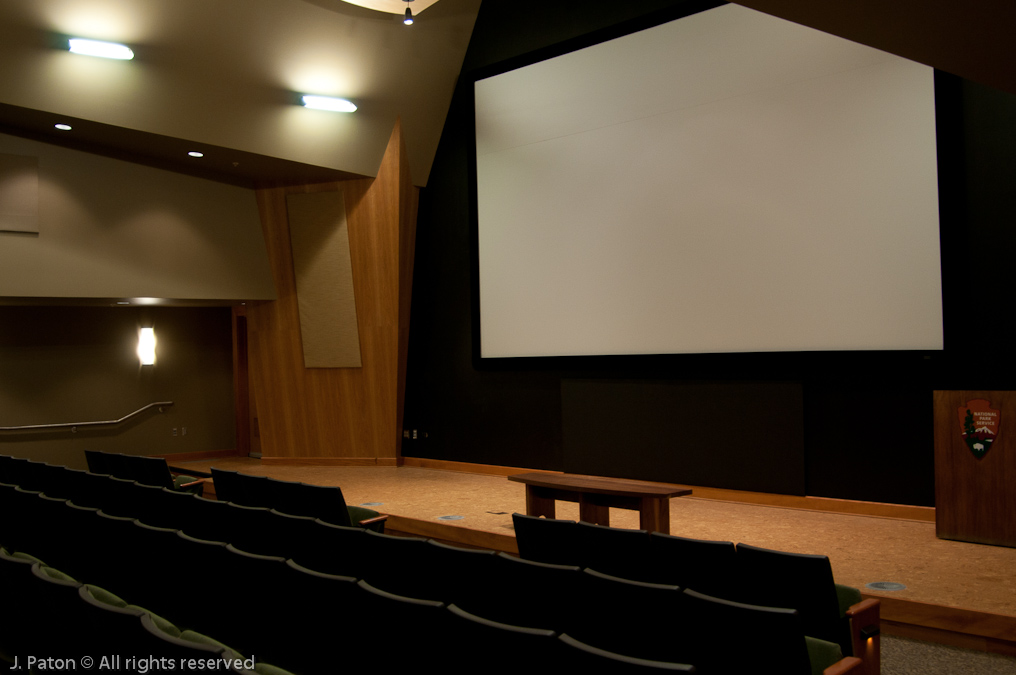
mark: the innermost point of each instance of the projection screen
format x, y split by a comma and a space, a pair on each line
725, 182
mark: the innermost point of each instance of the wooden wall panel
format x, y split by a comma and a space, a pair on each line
332, 413
975, 499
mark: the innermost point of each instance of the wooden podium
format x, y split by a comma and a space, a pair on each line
975, 466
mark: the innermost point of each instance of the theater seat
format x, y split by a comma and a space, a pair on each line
709, 567
805, 582
720, 633
549, 540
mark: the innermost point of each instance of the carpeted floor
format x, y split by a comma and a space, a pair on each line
902, 656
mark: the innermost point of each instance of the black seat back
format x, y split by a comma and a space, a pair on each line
719, 635
616, 551
709, 567
800, 581
152, 471
558, 542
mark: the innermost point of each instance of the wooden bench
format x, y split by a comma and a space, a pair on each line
595, 495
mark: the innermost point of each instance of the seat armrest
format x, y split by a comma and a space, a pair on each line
864, 620
848, 664
367, 522
193, 483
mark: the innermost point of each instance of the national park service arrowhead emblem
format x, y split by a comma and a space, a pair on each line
980, 425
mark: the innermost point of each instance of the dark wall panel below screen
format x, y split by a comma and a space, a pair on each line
742, 436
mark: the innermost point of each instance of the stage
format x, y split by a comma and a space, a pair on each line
956, 593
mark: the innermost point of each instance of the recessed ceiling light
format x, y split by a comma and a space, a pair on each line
107, 50
63, 127
329, 103
195, 153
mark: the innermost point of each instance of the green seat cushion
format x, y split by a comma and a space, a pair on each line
182, 480
167, 627
847, 596
57, 574
202, 639
25, 556
260, 668
104, 596
358, 513
822, 654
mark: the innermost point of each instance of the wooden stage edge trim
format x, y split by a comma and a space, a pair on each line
827, 504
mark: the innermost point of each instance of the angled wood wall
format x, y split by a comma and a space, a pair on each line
339, 415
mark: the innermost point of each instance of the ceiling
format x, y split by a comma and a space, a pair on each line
225, 77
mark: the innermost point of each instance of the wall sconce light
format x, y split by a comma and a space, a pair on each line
146, 346
328, 103
107, 50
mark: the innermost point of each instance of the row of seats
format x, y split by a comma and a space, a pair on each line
53, 618
151, 471
145, 470
262, 606
300, 499
741, 573
557, 600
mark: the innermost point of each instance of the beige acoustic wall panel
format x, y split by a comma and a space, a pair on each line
19, 193
324, 280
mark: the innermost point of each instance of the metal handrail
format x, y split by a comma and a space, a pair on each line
73, 426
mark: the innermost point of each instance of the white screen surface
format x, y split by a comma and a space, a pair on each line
727, 182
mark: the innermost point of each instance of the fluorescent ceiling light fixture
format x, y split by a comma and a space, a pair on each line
107, 50
146, 346
63, 127
195, 153
329, 103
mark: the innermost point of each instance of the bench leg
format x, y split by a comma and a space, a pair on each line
654, 514
591, 512
539, 502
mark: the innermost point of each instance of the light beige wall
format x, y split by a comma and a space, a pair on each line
112, 229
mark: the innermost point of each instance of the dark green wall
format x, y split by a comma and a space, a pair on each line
76, 364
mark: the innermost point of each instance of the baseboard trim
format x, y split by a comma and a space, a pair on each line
465, 467
328, 461
196, 456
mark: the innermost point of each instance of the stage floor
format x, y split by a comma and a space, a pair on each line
962, 588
